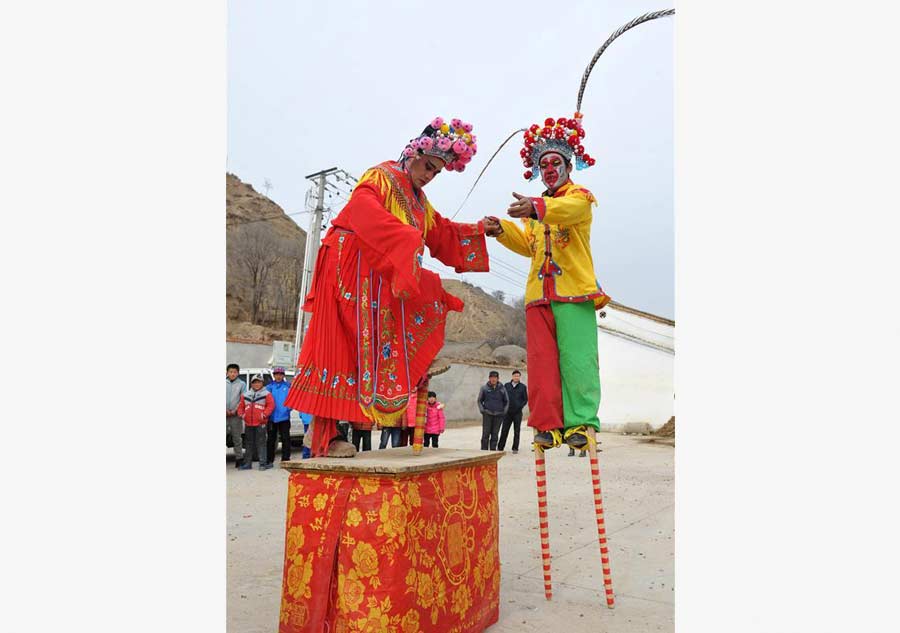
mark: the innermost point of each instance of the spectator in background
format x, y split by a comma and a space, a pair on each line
518, 398
234, 426
279, 425
306, 418
256, 406
361, 435
407, 431
493, 403
435, 421
392, 433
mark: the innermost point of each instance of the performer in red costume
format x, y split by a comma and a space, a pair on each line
377, 316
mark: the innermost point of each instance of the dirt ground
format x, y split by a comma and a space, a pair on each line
638, 494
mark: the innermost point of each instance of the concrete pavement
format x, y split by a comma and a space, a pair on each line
637, 478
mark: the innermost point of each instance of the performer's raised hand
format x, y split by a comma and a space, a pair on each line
521, 208
492, 226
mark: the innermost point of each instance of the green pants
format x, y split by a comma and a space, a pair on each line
564, 372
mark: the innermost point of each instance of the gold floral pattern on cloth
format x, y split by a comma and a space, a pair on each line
412, 554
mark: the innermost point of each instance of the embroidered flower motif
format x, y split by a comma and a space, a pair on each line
419, 319
462, 600
347, 295
386, 350
394, 353
366, 376
470, 257
354, 517
334, 383
341, 239
394, 515
366, 559
410, 622
465, 241
409, 337
351, 592
351, 380
307, 372
298, 576
365, 332
324, 375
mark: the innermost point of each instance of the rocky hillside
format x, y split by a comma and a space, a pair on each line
484, 319
264, 260
265, 250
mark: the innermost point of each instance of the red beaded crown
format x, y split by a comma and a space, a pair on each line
562, 136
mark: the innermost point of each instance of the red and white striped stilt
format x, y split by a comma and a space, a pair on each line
540, 471
601, 524
421, 405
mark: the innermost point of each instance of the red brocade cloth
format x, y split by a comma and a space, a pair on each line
389, 554
378, 317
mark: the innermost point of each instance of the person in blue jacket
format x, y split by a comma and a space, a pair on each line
280, 420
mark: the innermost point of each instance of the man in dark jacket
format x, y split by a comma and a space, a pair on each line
280, 421
493, 403
518, 398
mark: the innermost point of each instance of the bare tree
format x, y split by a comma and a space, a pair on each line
290, 274
519, 303
257, 255
499, 295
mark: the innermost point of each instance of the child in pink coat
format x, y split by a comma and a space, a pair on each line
435, 423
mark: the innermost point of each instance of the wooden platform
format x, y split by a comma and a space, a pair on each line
395, 462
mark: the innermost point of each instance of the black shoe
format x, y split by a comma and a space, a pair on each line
578, 440
238, 463
545, 439
265, 466
245, 467
571, 452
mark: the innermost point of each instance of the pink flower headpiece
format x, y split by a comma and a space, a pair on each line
453, 143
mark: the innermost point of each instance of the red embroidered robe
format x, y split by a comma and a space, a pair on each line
378, 316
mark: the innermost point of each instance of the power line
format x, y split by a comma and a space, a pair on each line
267, 219
629, 323
509, 268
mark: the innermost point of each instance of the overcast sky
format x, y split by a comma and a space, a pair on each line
313, 85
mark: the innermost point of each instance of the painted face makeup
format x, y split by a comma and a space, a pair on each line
553, 171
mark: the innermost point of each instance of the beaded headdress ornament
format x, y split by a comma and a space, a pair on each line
562, 135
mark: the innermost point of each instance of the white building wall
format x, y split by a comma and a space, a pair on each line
636, 369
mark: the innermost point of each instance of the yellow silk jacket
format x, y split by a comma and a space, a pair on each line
559, 245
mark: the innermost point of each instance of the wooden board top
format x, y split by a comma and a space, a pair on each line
395, 461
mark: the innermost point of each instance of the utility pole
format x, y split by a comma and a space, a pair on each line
313, 239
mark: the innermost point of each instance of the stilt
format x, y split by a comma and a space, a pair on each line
540, 471
421, 405
601, 524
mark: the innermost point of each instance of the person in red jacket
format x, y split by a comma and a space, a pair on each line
255, 408
435, 422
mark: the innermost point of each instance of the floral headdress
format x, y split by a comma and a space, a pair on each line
453, 143
563, 136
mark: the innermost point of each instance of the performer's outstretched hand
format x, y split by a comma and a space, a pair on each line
492, 226
521, 208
